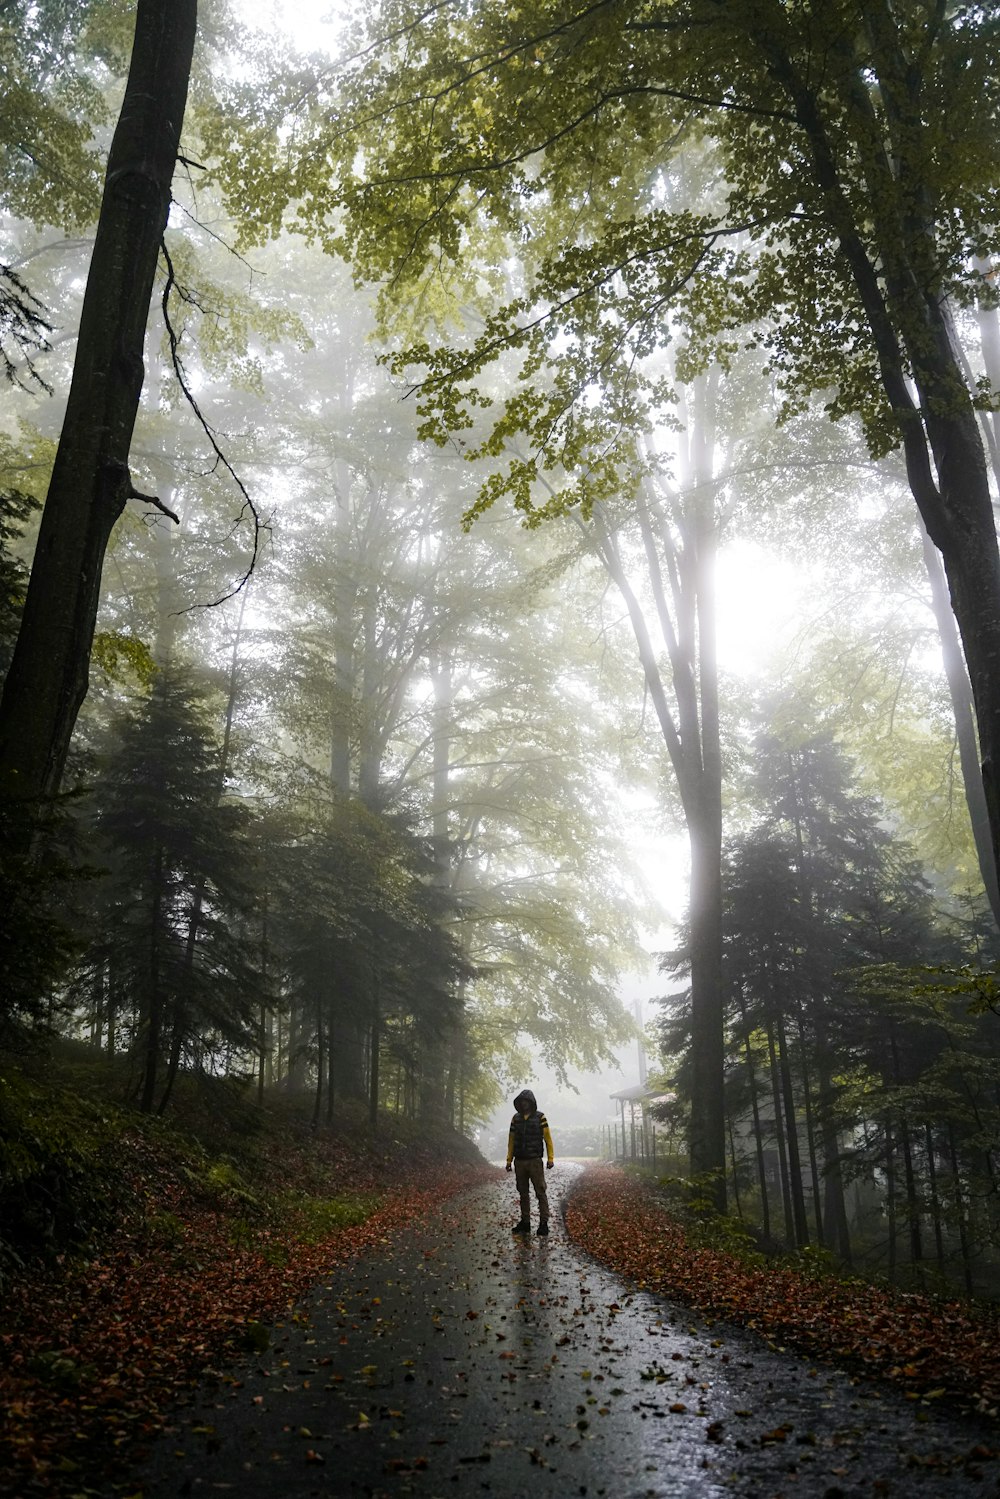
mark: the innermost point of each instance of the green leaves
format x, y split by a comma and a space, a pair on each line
52, 100
123, 657
598, 182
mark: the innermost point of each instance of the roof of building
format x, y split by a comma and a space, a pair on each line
642, 1092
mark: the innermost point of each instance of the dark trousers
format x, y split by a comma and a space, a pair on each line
529, 1174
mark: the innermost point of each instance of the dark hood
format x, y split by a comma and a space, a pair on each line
524, 1103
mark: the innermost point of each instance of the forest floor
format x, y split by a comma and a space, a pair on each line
225, 1234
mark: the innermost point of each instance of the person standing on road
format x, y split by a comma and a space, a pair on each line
528, 1141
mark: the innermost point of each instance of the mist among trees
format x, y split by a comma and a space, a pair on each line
400, 447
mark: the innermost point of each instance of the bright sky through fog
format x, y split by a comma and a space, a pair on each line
761, 601
311, 24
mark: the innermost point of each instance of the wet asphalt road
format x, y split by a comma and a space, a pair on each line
465, 1362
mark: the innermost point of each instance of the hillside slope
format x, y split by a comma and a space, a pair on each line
136, 1252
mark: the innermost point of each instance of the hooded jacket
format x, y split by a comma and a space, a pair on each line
529, 1138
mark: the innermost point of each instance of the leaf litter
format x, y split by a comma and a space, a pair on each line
932, 1348
138, 1330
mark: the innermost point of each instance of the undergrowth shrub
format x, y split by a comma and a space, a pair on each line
689, 1202
60, 1177
314, 1218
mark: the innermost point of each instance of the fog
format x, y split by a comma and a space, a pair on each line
509, 615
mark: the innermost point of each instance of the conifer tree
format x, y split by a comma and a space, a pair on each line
172, 908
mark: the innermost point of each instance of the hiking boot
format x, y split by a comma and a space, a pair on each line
521, 1228
542, 1230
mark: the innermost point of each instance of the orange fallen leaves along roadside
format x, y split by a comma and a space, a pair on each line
933, 1348
91, 1354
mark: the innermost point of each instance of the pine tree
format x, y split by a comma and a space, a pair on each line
174, 901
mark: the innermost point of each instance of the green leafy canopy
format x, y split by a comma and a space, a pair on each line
583, 185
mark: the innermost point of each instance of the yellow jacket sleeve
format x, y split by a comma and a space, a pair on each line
510, 1147
547, 1137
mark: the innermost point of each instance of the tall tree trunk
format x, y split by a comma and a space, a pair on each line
369, 748
810, 1130
184, 1007
935, 1200
708, 1138
989, 336
344, 593
958, 514
439, 1062
453, 1076
320, 1060
735, 1168
912, 1196
708, 1124
99, 1002
278, 1066
680, 549
894, 264
765, 1206
90, 484
779, 1134
265, 1024
440, 671
963, 1230
834, 1210
154, 1006
890, 1197
331, 1045
174, 1060
374, 1045
262, 1039
960, 693
348, 1037
183, 1001
792, 1135
297, 1059
169, 597
835, 1204
112, 1010
909, 1177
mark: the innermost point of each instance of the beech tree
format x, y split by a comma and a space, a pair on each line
520, 169
852, 180
424, 669
91, 481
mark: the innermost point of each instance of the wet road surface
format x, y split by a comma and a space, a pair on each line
464, 1361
